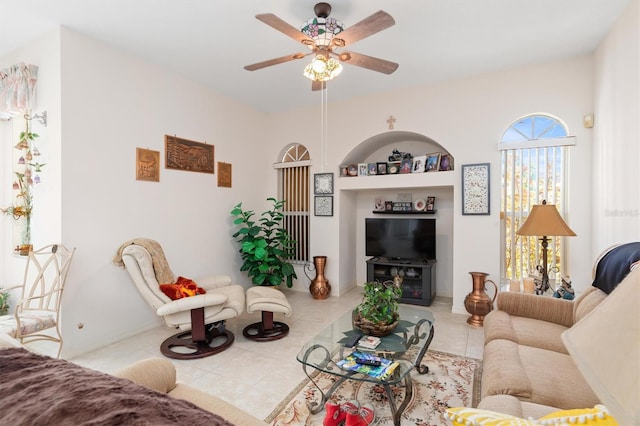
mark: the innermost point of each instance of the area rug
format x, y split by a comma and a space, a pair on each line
452, 381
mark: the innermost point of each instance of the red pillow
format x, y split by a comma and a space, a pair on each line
183, 287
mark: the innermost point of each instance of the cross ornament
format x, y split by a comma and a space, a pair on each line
390, 121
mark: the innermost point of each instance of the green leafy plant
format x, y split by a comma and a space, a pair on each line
4, 302
265, 246
380, 302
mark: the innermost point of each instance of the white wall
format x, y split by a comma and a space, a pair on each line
113, 103
467, 117
616, 147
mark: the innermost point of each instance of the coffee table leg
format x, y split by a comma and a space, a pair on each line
316, 407
424, 369
408, 394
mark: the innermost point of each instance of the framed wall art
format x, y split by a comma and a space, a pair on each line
323, 183
147, 165
323, 205
475, 189
183, 154
224, 174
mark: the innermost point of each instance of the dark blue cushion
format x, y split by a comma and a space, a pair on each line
615, 265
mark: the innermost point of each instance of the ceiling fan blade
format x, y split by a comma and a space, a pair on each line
275, 61
285, 28
375, 23
368, 62
318, 85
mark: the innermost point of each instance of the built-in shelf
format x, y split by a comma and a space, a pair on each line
404, 211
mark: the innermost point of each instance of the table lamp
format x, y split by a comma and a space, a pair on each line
545, 220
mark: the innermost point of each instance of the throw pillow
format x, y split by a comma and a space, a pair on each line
183, 287
598, 415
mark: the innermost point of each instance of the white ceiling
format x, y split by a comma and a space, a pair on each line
210, 41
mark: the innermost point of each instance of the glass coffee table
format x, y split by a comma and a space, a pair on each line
321, 353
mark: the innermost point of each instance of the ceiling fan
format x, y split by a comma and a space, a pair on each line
322, 35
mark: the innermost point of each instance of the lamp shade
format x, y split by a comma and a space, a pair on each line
544, 220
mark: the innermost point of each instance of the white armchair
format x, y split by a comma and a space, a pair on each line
201, 318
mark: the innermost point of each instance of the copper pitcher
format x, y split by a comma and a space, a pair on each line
319, 287
478, 303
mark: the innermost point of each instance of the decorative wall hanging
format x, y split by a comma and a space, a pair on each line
323, 183
183, 154
147, 165
323, 205
18, 89
475, 189
224, 174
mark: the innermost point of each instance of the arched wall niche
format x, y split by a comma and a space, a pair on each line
389, 140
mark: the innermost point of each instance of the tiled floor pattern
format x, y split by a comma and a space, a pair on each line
257, 376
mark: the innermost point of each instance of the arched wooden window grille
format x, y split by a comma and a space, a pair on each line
293, 182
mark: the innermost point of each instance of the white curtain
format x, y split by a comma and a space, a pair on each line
17, 89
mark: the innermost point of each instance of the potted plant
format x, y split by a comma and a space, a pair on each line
265, 245
4, 302
377, 315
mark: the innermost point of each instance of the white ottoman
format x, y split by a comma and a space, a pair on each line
268, 300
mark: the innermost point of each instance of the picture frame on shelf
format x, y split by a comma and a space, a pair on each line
393, 167
378, 204
382, 168
446, 163
363, 169
323, 183
433, 162
352, 170
475, 189
431, 204
323, 205
406, 165
344, 171
419, 163
373, 169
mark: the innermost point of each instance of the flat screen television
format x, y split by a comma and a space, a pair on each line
401, 238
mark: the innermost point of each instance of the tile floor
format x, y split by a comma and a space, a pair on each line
257, 376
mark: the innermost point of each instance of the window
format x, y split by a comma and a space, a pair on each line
534, 164
293, 182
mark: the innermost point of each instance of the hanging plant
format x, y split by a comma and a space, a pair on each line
23, 184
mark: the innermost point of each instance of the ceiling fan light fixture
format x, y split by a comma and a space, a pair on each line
322, 30
322, 69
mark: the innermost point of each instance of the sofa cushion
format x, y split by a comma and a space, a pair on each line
524, 331
555, 379
598, 415
605, 347
502, 372
586, 302
535, 375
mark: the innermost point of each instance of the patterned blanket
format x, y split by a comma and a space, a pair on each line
39, 390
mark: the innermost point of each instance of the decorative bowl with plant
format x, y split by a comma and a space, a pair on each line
265, 246
378, 315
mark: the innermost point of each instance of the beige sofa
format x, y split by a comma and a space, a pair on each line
159, 374
527, 369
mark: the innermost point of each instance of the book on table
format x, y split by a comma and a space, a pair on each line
354, 362
369, 342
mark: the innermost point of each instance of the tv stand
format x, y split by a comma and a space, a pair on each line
419, 281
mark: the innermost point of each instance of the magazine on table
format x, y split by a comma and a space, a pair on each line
355, 362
